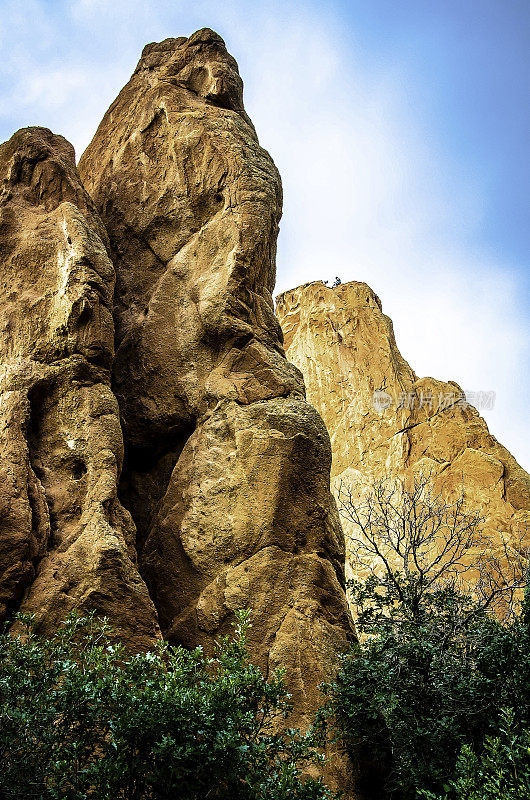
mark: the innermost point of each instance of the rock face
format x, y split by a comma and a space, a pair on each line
226, 467
65, 540
383, 419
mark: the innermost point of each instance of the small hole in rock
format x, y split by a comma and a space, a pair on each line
69, 240
78, 469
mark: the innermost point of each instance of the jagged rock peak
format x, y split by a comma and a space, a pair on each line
200, 65
384, 421
38, 166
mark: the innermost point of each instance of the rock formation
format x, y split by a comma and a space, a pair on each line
161, 465
384, 420
65, 540
227, 467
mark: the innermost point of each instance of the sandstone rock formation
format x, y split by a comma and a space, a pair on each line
384, 420
226, 467
65, 540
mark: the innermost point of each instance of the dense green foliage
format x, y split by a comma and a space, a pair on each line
425, 693
424, 688
501, 771
80, 719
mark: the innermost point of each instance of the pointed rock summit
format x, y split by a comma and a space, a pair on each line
226, 469
384, 421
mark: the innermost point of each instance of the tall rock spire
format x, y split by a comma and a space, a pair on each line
227, 466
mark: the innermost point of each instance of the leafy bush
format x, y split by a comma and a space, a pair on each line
500, 772
427, 685
430, 693
80, 719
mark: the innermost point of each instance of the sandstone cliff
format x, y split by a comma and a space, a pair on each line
226, 465
65, 540
161, 465
383, 419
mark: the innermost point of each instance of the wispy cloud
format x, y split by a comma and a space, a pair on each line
369, 192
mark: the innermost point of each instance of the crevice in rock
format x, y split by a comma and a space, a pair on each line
407, 428
37, 534
36, 397
421, 422
221, 100
145, 476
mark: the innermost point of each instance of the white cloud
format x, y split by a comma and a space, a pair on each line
367, 198
368, 195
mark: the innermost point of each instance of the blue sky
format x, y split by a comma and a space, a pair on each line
401, 131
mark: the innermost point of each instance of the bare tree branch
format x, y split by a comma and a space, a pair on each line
416, 542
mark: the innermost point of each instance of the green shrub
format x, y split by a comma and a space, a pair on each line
420, 695
427, 685
80, 719
500, 771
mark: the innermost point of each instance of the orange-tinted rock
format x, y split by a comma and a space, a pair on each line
65, 541
384, 420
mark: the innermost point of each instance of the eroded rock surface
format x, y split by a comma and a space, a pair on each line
65, 540
227, 466
384, 420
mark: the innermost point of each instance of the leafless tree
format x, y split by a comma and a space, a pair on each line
417, 542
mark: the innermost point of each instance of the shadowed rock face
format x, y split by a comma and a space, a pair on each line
227, 467
65, 540
384, 420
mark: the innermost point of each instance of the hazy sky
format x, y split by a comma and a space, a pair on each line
400, 129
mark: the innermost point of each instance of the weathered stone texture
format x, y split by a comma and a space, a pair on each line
227, 467
65, 540
202, 470
357, 379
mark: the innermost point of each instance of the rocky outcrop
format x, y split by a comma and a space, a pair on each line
227, 466
384, 420
65, 540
